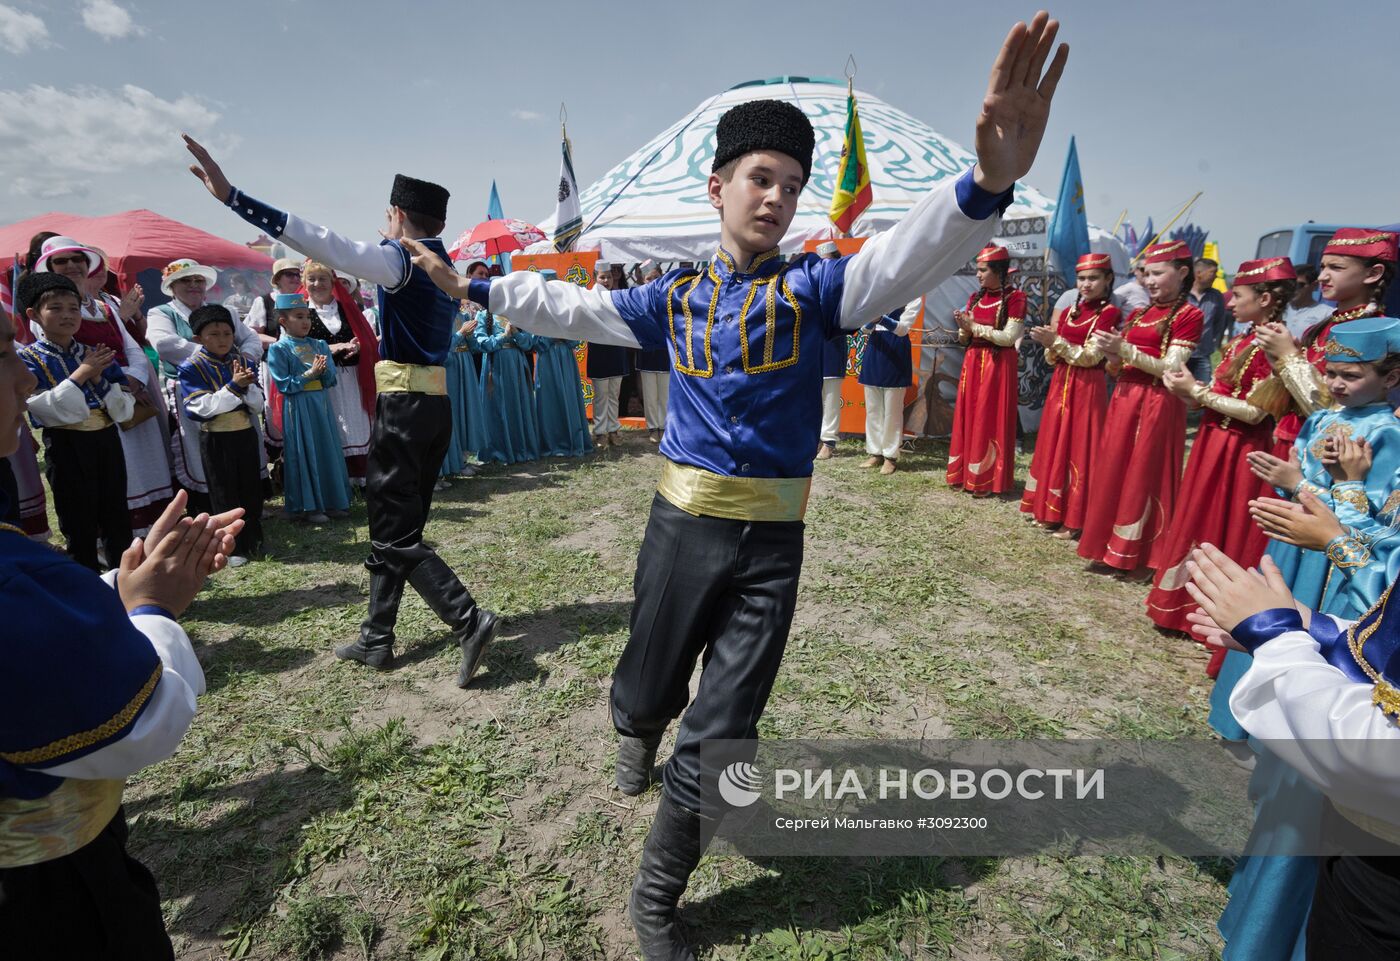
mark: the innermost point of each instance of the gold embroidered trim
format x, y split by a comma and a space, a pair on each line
770, 321
1264, 268
1359, 241
689, 367
1355, 497
76, 742
1335, 346
1348, 553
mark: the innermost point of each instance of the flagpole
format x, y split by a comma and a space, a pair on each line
1179, 214
1119, 222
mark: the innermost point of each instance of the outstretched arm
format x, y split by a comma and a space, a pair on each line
945, 229
383, 264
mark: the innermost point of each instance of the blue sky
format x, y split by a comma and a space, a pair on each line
315, 105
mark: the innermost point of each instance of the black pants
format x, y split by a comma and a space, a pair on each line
721, 590
9, 491
87, 473
97, 902
233, 468
1356, 903
406, 449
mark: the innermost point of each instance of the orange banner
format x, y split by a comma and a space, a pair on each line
852, 394
577, 268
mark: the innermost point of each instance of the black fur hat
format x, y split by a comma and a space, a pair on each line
36, 284
765, 125
202, 317
419, 196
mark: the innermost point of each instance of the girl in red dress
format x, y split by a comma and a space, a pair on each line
982, 453
1057, 491
1137, 469
1240, 407
1357, 266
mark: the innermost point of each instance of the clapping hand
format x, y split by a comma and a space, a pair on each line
963, 319
1017, 105
1229, 594
1346, 459
1285, 475
183, 551
1277, 342
95, 361
1179, 382
317, 368
1109, 341
242, 376
131, 302
1309, 524
1043, 335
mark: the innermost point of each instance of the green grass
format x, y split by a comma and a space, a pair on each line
318, 810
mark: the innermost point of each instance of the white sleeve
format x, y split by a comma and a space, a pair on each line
247, 341
254, 398
1322, 723
64, 404
167, 716
168, 345
118, 402
257, 317
906, 319
382, 264
917, 254
551, 309
214, 402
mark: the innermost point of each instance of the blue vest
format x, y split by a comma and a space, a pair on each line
415, 318
886, 360
747, 357
835, 353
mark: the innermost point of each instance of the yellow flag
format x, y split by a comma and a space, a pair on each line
1212, 252
852, 194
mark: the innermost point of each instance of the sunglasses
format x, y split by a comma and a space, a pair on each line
65, 261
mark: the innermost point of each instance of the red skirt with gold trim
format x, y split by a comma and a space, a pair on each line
1137, 470
1057, 491
1213, 508
982, 453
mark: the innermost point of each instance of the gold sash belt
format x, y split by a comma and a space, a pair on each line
57, 824
1375, 827
95, 420
228, 421
311, 385
392, 377
704, 494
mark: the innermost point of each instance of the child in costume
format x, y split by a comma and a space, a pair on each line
606, 365
1240, 406
718, 570
982, 452
337, 321
559, 407
219, 390
1057, 490
1137, 471
315, 483
78, 404
464, 387
835, 353
886, 371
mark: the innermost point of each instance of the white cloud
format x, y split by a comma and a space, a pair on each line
108, 20
526, 115
56, 143
20, 31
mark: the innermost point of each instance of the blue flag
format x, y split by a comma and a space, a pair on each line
1147, 237
1069, 229
494, 211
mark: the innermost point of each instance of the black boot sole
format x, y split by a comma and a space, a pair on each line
365, 656
480, 638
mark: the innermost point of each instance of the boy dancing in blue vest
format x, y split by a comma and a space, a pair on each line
413, 416
718, 569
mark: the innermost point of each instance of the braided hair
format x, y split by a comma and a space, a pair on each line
1282, 292
1074, 311
1182, 299
1002, 270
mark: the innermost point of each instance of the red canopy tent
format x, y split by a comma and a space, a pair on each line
134, 241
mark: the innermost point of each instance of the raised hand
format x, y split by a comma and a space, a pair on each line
1109, 341
1277, 342
1282, 474
1043, 335
131, 302
242, 376
95, 361
208, 172
1017, 105
318, 366
1309, 524
1347, 459
1179, 382
228, 525
173, 571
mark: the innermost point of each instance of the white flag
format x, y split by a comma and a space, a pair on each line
568, 221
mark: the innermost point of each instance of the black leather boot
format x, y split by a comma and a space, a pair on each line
635, 758
672, 850
472, 627
375, 646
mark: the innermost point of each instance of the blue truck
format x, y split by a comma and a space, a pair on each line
1303, 243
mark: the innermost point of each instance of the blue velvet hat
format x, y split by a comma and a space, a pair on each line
549, 274
1363, 341
289, 301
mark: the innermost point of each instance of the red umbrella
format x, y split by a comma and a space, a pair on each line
490, 238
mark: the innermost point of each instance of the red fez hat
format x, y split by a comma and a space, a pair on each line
1094, 262
992, 254
1263, 271
1363, 242
1166, 252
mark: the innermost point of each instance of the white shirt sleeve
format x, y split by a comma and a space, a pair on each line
118, 402
64, 404
257, 317
1322, 723
553, 309
168, 344
917, 254
167, 716
906, 319
382, 264
254, 398
215, 402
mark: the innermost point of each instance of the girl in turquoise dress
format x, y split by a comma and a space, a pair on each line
463, 389
563, 419
314, 477
506, 392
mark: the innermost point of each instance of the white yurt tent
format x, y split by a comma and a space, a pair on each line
654, 205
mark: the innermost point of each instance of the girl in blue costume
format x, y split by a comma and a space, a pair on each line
463, 387
1266, 918
512, 430
314, 476
563, 419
